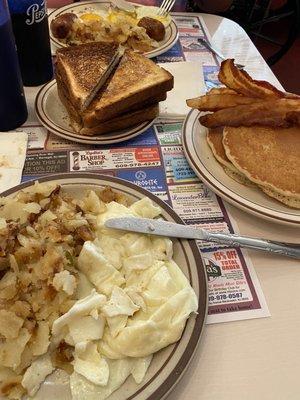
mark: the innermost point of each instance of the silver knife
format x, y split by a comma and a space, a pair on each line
164, 228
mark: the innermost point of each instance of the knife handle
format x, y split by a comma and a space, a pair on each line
285, 249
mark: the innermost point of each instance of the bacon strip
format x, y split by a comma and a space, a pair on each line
279, 112
217, 102
241, 82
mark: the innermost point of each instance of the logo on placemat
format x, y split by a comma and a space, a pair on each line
140, 175
213, 270
76, 165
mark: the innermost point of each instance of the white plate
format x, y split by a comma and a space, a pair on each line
249, 199
170, 39
52, 114
169, 364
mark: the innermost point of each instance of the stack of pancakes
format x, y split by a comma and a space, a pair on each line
266, 157
254, 132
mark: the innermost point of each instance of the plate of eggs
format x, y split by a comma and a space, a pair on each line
136, 27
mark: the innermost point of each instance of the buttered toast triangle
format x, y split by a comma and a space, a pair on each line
135, 80
84, 69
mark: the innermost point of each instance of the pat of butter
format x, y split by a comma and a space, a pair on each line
188, 83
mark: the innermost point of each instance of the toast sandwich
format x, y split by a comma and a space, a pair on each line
129, 95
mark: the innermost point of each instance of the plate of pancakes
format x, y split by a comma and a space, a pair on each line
248, 149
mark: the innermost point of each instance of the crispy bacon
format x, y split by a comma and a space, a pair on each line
221, 90
241, 82
280, 112
217, 102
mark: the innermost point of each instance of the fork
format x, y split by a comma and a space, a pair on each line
216, 52
165, 7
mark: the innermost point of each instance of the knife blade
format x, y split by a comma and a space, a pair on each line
170, 229
155, 227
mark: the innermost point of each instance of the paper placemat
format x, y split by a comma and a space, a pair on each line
155, 161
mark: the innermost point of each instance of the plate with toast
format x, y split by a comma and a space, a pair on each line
136, 27
243, 141
102, 94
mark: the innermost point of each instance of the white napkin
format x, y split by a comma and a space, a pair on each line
13, 146
188, 83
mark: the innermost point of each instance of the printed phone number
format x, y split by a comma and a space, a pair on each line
225, 296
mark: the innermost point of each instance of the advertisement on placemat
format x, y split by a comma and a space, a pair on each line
168, 134
176, 166
155, 161
189, 26
172, 55
231, 287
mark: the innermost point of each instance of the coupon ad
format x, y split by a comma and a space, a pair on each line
203, 57
152, 179
95, 160
174, 54
232, 295
194, 201
168, 134
44, 163
148, 138
189, 26
54, 142
216, 226
177, 168
210, 74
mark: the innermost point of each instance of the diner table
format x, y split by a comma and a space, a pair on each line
255, 358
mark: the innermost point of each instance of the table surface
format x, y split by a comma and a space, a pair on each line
258, 358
